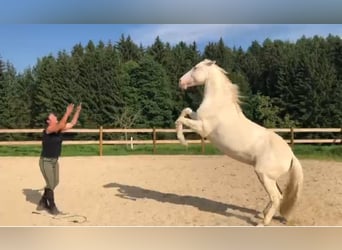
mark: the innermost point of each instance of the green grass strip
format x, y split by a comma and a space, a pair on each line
320, 152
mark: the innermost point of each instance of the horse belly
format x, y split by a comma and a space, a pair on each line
233, 147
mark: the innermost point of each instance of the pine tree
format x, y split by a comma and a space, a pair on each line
153, 94
220, 53
48, 96
128, 50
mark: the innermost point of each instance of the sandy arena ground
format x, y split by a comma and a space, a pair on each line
161, 191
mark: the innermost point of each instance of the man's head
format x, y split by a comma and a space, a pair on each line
51, 119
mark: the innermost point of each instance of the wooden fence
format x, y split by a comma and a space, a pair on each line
154, 141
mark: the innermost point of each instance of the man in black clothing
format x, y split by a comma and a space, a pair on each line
51, 151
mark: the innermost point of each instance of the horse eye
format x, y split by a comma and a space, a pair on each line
194, 68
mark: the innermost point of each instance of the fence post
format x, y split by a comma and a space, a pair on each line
101, 141
292, 137
154, 140
202, 145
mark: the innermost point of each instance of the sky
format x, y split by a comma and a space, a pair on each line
170, 11
23, 44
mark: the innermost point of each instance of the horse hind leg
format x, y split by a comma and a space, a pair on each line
275, 196
262, 214
267, 208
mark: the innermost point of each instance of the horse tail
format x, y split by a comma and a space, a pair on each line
293, 189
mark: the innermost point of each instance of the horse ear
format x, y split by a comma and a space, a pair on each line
210, 62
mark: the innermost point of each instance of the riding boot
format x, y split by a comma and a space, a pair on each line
43, 203
52, 209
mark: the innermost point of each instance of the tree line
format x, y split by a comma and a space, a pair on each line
123, 84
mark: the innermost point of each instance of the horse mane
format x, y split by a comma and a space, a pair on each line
235, 94
234, 88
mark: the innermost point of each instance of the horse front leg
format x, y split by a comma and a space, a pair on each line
179, 126
195, 125
188, 112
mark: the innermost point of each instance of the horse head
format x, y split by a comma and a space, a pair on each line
197, 75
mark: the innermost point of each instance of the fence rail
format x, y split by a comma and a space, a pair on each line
154, 131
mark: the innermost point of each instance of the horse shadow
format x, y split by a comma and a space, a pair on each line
32, 195
203, 204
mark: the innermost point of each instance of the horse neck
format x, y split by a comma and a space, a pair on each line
218, 91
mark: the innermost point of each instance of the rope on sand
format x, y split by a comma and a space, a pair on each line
62, 216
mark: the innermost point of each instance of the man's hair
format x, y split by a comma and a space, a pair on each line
46, 120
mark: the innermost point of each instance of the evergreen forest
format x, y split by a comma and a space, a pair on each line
125, 85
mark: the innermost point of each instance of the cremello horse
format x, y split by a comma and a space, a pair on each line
219, 118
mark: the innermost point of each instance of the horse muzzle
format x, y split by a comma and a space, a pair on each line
182, 85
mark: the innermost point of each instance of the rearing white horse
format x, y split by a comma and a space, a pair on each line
220, 119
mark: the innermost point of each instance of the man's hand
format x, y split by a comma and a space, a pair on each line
70, 108
79, 107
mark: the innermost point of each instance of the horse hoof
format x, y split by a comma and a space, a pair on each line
187, 111
260, 225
